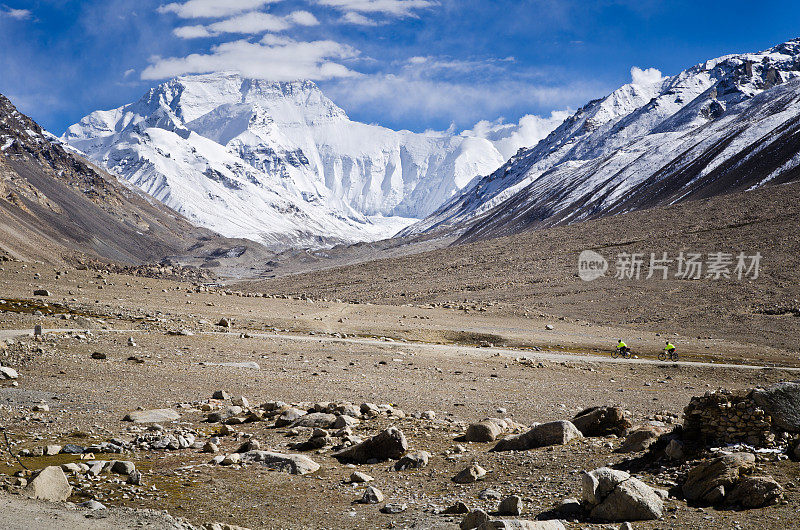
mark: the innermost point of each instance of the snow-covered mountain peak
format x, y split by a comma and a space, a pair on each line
611, 146
221, 148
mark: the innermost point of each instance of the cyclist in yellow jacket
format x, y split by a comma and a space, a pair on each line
669, 348
621, 346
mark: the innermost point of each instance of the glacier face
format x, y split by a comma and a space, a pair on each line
278, 163
654, 141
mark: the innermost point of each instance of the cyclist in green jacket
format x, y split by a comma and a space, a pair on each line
621, 346
669, 349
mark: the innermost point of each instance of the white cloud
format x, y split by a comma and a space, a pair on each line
255, 22
357, 19
648, 77
17, 14
212, 8
273, 58
462, 101
508, 138
303, 18
398, 8
129, 73
251, 23
192, 32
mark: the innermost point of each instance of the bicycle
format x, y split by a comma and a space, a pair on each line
672, 356
621, 352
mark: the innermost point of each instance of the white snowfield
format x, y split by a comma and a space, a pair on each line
279, 163
638, 143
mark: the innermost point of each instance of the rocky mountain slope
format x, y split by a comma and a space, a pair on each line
278, 163
54, 204
725, 125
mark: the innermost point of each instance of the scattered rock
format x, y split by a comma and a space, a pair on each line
315, 419
474, 519
220, 394
249, 445
519, 524
394, 507
99, 355
49, 485
52, 450
389, 444
41, 292
92, 505
135, 478
469, 475
123, 467
616, 496
231, 459
152, 416
675, 450
754, 492
489, 494
570, 508
8, 373
287, 463
345, 421
241, 401
456, 509
289, 416
510, 506
483, 431
415, 460
642, 437
553, 433
711, 480
371, 496
602, 421
72, 449
360, 478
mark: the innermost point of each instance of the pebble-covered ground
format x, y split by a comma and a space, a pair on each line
125, 343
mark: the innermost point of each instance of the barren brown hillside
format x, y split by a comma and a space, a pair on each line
536, 272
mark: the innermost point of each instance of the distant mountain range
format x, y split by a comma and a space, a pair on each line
279, 163
728, 124
282, 165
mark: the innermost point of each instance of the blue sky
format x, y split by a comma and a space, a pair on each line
415, 64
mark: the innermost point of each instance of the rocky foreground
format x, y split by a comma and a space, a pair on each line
146, 396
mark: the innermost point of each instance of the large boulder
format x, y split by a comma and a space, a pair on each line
602, 421
483, 431
616, 496
152, 416
289, 416
389, 444
319, 420
49, 485
288, 463
782, 402
553, 433
642, 437
710, 481
754, 492
415, 460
